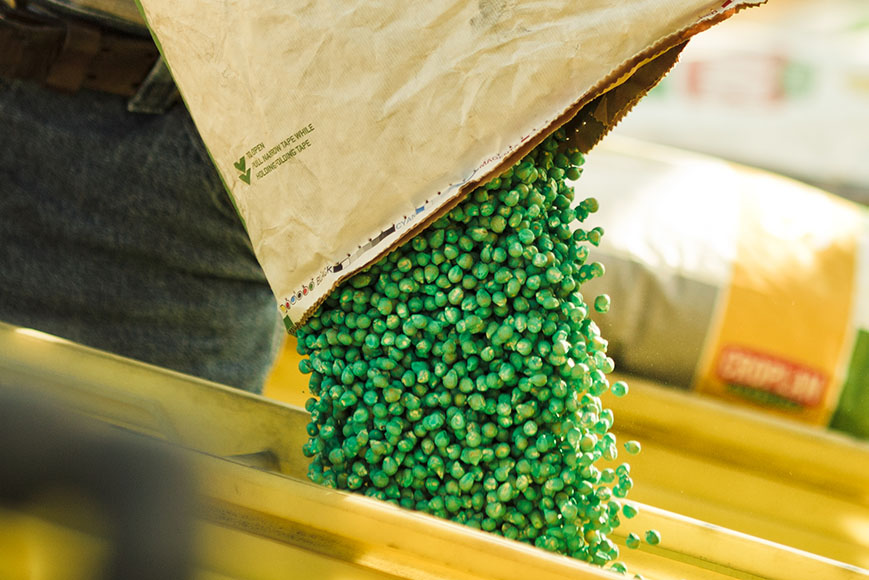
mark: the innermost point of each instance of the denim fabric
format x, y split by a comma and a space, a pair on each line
116, 232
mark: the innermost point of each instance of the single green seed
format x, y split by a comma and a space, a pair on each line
505, 492
526, 236
554, 275
602, 303
633, 447
619, 568
619, 388
498, 224
653, 537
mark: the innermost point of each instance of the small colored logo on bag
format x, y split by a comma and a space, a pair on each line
245, 174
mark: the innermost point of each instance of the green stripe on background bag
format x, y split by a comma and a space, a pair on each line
852, 414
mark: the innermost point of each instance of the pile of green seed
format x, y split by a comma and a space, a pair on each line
461, 375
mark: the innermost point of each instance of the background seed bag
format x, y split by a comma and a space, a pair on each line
733, 282
341, 128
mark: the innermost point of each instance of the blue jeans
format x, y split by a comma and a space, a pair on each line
116, 232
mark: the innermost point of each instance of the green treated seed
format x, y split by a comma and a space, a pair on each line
602, 303
653, 537
619, 568
505, 492
554, 275
526, 236
632, 541
632, 447
478, 234
539, 260
619, 388
461, 374
629, 510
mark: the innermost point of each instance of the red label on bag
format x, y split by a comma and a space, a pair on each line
778, 376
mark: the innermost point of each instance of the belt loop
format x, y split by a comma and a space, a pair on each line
68, 71
157, 93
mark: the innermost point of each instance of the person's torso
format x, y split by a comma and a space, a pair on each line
115, 13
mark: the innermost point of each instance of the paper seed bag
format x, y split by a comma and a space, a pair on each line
342, 128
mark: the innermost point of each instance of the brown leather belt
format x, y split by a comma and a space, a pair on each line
69, 55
